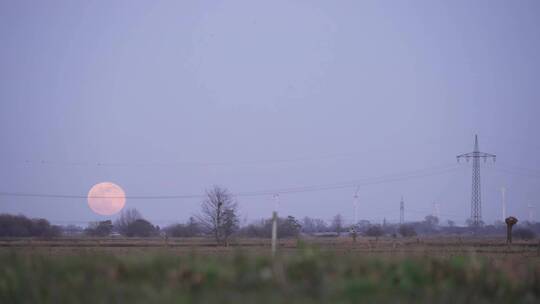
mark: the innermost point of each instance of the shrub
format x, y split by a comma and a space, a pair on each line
21, 226
190, 229
127, 217
374, 231
407, 231
286, 227
524, 234
141, 228
103, 228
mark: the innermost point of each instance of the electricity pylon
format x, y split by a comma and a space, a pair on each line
476, 199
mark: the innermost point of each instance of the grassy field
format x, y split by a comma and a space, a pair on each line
325, 270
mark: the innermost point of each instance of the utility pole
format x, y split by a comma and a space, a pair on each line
531, 212
476, 198
401, 212
274, 224
503, 194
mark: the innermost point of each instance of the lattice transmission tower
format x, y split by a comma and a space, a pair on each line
476, 199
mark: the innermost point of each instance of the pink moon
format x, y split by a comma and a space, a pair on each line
106, 198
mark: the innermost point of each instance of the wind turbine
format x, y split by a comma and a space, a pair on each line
355, 203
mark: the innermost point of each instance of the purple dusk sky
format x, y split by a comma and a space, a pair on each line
171, 97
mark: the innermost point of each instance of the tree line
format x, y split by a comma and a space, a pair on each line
219, 219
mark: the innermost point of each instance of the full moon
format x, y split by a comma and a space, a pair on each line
106, 198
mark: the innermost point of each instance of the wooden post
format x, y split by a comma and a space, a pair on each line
274, 233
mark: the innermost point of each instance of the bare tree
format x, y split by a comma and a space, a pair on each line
320, 225
127, 217
218, 214
313, 225
337, 224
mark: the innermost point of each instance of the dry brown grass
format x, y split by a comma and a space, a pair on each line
386, 247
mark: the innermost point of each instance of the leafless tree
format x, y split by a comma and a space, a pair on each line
218, 214
313, 225
127, 217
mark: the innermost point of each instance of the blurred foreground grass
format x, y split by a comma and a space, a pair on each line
308, 276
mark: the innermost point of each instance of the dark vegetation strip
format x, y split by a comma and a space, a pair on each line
307, 276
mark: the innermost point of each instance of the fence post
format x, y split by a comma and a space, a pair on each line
274, 233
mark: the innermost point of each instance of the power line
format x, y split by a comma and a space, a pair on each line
142, 197
517, 171
189, 163
313, 188
355, 184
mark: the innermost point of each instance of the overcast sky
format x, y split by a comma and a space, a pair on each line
171, 97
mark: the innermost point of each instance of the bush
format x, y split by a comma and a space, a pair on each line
407, 231
190, 229
286, 227
72, 230
127, 217
103, 228
141, 228
524, 234
374, 231
21, 226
